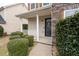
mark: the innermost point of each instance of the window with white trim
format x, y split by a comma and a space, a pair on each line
33, 5
70, 12
45, 4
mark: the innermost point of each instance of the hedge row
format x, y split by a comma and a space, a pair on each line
67, 36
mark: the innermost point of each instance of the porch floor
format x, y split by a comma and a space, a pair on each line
41, 50
46, 40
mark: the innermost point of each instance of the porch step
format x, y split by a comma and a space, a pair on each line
45, 40
43, 43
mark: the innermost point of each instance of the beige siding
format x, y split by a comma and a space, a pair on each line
13, 23
42, 27
32, 27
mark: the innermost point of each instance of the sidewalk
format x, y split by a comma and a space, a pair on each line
3, 46
41, 50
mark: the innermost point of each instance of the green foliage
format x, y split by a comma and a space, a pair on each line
30, 39
24, 36
67, 36
19, 44
1, 31
18, 47
15, 35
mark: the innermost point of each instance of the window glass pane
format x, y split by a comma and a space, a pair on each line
70, 12
45, 3
36, 5
40, 4
28, 6
32, 5
25, 26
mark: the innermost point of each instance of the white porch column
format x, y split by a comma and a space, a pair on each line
21, 25
37, 26
21, 28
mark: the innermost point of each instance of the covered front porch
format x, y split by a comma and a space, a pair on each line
39, 24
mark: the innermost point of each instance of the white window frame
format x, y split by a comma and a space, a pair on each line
45, 5
76, 9
33, 8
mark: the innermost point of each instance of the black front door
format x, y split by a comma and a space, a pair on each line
48, 27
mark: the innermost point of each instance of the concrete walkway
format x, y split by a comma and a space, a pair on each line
3, 46
41, 50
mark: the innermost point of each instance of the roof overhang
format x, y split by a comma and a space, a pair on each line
41, 12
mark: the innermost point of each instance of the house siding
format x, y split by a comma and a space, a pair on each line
13, 23
32, 27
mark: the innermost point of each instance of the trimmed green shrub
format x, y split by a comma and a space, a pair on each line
17, 33
1, 31
18, 47
30, 39
23, 36
14, 37
67, 36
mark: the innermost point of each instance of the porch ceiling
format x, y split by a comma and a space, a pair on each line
40, 12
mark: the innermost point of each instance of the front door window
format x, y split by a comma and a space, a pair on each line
48, 27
